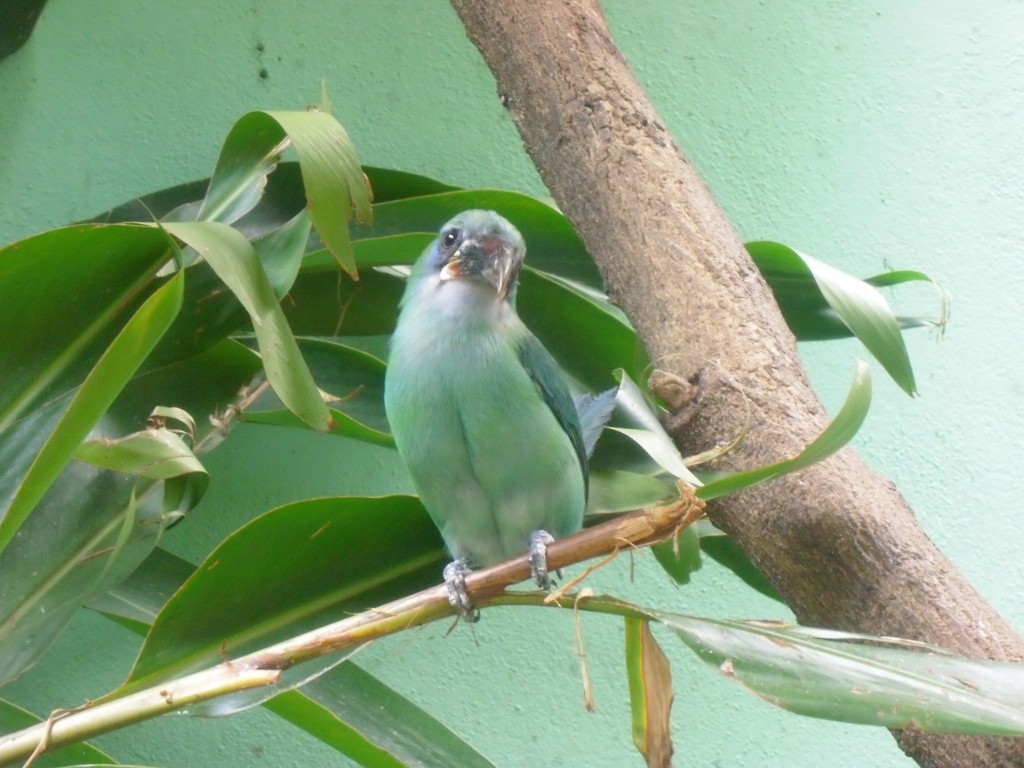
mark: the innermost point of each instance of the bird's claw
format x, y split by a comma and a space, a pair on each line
539, 541
455, 580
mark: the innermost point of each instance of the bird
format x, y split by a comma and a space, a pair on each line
480, 411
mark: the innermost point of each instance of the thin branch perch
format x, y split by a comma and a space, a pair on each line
263, 668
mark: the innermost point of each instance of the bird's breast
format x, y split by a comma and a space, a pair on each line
487, 455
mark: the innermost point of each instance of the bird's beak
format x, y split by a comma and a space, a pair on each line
490, 257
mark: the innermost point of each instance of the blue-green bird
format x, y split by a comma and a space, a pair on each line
479, 409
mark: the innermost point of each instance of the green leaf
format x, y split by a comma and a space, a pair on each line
232, 257
281, 252
389, 185
214, 314
156, 205
72, 546
634, 417
804, 306
858, 678
17, 20
139, 597
99, 390
813, 295
650, 693
342, 425
352, 711
725, 551
355, 381
250, 153
158, 454
335, 184
867, 314
13, 718
837, 434
326, 303
551, 243
294, 568
44, 353
613, 490
282, 197
384, 251
680, 556
588, 337
52, 565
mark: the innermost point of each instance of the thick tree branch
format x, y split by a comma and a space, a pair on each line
837, 541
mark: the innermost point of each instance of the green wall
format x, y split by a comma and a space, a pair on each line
869, 135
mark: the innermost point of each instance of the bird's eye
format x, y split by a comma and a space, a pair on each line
451, 237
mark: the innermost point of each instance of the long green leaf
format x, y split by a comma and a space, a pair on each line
853, 678
635, 418
334, 182
233, 259
283, 573
355, 382
804, 306
613, 490
137, 600
68, 550
99, 390
813, 296
551, 242
342, 425
868, 315
650, 693
590, 338
726, 552
837, 434
680, 556
326, 303
281, 252
44, 352
283, 196
352, 378
355, 713
250, 153
384, 251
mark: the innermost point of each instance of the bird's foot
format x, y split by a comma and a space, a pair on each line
539, 541
455, 580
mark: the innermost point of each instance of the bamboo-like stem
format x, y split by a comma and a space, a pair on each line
264, 667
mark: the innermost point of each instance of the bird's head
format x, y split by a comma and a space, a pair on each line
480, 246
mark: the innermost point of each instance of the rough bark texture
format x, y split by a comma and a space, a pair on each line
837, 541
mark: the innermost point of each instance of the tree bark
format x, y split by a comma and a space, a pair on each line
837, 540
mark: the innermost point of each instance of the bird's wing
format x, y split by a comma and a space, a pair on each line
594, 412
543, 369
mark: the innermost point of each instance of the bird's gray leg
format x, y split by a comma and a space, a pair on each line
539, 541
455, 580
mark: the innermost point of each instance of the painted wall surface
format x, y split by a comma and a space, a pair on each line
871, 135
